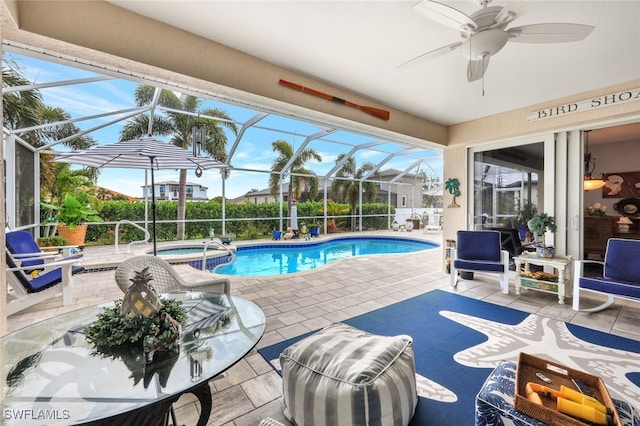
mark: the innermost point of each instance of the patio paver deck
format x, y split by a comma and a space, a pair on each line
298, 303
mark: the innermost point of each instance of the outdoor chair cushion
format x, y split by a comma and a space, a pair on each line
22, 243
479, 251
345, 376
611, 286
479, 245
621, 274
621, 260
43, 280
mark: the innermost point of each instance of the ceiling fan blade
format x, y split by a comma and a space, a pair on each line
476, 69
549, 33
432, 54
444, 14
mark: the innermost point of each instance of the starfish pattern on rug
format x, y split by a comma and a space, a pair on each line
549, 339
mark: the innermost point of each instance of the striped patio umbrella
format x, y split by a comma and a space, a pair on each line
146, 153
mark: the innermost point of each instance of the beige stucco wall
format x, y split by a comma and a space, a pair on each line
514, 123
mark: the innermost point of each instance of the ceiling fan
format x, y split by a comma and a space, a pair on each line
485, 32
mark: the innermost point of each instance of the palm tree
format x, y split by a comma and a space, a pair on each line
51, 172
68, 181
348, 190
298, 182
19, 109
26, 109
180, 126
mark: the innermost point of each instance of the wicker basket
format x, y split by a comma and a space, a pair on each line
529, 365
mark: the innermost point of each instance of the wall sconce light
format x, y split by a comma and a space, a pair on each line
590, 183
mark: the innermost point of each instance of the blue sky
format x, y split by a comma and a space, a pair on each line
254, 150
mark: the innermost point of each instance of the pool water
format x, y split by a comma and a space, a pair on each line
283, 258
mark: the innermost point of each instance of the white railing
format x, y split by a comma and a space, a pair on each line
218, 244
147, 236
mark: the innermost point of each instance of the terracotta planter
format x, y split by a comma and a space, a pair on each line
75, 237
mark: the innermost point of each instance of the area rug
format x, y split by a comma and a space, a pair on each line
458, 341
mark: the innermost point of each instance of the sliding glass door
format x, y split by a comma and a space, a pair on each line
506, 185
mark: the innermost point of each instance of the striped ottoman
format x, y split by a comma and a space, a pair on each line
343, 376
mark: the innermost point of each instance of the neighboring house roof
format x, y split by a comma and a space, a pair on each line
112, 194
393, 173
175, 182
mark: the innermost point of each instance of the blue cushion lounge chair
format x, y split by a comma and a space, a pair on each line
480, 251
33, 275
26, 291
22, 245
620, 276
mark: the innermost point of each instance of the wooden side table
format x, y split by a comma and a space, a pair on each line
525, 278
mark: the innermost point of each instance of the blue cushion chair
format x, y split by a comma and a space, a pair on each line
620, 275
480, 251
26, 290
34, 276
22, 245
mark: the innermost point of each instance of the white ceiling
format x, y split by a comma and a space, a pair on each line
358, 45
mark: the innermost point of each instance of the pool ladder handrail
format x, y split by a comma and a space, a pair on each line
218, 244
147, 235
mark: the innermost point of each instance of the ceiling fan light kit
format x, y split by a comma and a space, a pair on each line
484, 43
485, 33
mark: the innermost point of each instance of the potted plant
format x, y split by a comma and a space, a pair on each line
539, 224
72, 217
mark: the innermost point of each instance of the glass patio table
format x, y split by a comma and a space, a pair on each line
51, 375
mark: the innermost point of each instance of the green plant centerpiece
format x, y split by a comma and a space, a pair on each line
539, 224
140, 320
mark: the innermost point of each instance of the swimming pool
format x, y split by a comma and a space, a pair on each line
180, 250
289, 258
194, 255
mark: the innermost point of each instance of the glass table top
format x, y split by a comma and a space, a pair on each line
52, 375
